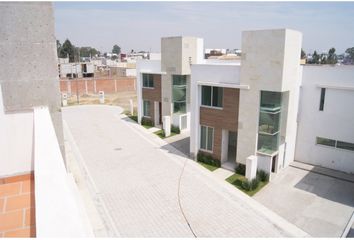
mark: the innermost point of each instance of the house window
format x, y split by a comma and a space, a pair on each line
269, 122
345, 145
335, 143
206, 138
326, 141
148, 80
179, 93
322, 99
212, 96
146, 108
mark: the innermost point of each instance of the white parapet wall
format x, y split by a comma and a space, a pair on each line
59, 211
16, 142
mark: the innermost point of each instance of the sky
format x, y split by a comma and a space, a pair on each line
140, 25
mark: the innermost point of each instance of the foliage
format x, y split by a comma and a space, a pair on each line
67, 50
175, 129
332, 56
250, 185
350, 52
241, 169
134, 118
116, 49
208, 159
262, 176
315, 58
303, 54
146, 122
88, 52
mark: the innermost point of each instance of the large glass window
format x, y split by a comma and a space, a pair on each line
212, 96
270, 101
206, 138
179, 93
148, 80
268, 143
269, 122
146, 108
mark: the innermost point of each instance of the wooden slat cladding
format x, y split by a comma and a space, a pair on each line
153, 94
225, 118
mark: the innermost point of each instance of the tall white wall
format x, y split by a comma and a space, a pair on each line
270, 62
336, 121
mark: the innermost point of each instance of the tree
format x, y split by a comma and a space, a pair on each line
88, 52
323, 58
67, 49
332, 56
350, 52
303, 54
58, 47
315, 58
116, 49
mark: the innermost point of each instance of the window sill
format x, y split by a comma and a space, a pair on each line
217, 108
204, 150
149, 87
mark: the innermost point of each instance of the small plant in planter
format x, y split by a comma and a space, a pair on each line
263, 176
241, 169
175, 129
147, 122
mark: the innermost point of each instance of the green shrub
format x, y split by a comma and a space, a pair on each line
254, 183
207, 159
146, 122
250, 185
241, 169
262, 176
175, 129
246, 185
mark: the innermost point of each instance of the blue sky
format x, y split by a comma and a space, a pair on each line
140, 25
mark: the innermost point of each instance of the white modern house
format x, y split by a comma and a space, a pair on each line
236, 107
325, 134
163, 86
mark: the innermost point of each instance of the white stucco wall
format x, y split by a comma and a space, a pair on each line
336, 121
16, 142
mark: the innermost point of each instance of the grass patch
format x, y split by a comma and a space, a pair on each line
237, 180
161, 134
209, 167
134, 118
147, 126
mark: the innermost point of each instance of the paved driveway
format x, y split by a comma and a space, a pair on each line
138, 175
318, 204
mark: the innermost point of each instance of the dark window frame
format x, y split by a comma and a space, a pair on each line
322, 98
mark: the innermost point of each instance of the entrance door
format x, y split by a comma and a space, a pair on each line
160, 113
274, 163
232, 145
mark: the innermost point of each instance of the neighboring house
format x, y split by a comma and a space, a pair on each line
76, 70
325, 134
163, 86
